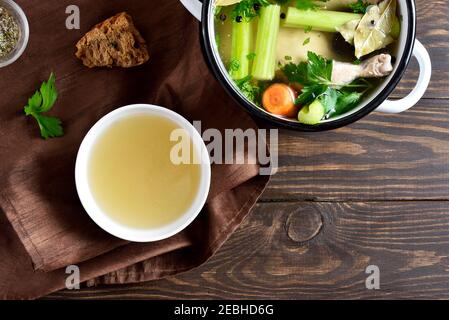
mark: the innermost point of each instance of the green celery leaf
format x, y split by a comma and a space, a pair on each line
50, 127
49, 94
41, 102
34, 103
310, 93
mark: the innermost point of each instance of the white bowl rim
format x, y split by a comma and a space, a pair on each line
106, 222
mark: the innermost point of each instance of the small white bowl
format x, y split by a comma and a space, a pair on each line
21, 18
105, 221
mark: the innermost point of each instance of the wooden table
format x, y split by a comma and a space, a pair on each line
373, 193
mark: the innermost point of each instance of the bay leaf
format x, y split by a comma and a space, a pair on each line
348, 30
374, 30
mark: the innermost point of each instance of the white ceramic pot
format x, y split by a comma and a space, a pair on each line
377, 100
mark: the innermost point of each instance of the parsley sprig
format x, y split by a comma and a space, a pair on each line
359, 7
41, 102
249, 88
248, 9
316, 78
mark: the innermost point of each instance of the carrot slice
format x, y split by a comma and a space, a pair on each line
279, 99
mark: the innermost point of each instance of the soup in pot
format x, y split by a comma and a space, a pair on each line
305, 60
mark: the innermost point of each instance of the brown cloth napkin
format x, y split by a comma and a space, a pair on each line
43, 227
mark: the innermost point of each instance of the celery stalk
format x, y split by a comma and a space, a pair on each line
264, 66
241, 48
312, 114
318, 20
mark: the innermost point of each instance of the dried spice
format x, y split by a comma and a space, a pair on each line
9, 32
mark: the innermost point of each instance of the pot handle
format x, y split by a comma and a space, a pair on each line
194, 6
425, 73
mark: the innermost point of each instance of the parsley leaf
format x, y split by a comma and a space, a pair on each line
359, 7
248, 9
250, 90
316, 78
296, 73
319, 69
42, 101
345, 102
251, 56
310, 93
234, 65
329, 99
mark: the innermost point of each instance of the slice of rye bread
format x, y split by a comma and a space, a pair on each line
114, 42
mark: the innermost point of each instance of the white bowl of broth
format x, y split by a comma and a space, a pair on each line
225, 41
143, 173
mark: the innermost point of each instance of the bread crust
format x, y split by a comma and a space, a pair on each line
115, 42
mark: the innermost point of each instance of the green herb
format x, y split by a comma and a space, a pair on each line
42, 101
359, 7
357, 62
345, 102
306, 42
246, 9
308, 29
339, 101
217, 11
310, 93
329, 99
296, 73
316, 78
319, 69
250, 90
282, 2
234, 65
9, 32
288, 58
251, 56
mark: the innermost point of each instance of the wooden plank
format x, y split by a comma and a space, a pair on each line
314, 251
381, 157
433, 32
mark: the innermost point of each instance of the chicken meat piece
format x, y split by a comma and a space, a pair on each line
378, 66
